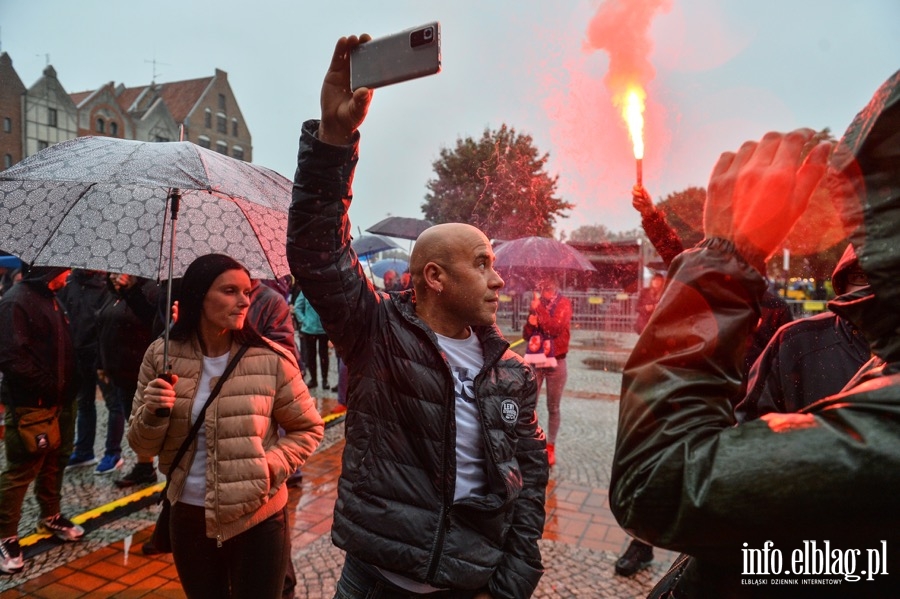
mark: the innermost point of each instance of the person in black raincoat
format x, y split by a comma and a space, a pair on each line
810, 358
783, 486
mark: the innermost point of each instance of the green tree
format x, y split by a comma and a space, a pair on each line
684, 211
497, 183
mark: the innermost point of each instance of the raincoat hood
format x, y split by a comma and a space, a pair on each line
865, 175
839, 276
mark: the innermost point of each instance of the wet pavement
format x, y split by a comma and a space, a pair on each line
580, 546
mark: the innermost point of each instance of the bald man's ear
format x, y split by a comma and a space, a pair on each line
434, 277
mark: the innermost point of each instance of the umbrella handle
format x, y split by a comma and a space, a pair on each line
175, 196
164, 412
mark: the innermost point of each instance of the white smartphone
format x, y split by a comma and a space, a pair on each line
402, 56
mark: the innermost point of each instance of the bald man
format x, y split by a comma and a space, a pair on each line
444, 470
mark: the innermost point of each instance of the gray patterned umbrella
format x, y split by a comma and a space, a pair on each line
103, 203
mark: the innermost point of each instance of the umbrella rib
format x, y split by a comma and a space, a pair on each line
62, 218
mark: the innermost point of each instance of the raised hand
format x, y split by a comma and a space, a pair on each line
343, 110
640, 199
757, 194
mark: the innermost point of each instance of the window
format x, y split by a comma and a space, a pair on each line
52, 118
203, 142
101, 126
234, 127
237, 152
114, 129
7, 161
222, 147
7, 124
42, 145
221, 123
207, 118
222, 101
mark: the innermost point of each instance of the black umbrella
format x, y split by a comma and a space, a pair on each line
401, 227
372, 244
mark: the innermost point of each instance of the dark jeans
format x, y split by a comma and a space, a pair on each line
118, 403
86, 397
362, 581
46, 470
313, 345
252, 564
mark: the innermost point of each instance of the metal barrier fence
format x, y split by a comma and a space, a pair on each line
606, 310
609, 310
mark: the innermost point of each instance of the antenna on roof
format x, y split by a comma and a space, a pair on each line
46, 59
154, 62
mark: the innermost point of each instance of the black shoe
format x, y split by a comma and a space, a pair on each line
637, 557
312, 384
141, 474
335, 388
149, 548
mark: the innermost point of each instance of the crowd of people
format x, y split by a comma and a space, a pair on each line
737, 428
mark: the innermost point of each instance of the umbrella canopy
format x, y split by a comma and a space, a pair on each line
101, 203
372, 244
395, 264
401, 227
533, 256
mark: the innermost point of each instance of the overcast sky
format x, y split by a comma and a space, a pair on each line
721, 72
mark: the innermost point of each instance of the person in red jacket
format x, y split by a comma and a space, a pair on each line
549, 319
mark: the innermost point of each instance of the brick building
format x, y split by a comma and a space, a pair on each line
44, 114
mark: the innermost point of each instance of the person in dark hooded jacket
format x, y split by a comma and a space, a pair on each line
444, 471
37, 359
810, 358
125, 328
785, 486
82, 297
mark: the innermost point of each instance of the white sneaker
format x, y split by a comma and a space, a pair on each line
11, 556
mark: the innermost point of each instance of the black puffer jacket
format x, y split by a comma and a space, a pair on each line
395, 505
37, 357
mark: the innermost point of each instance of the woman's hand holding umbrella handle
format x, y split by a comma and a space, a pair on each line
159, 395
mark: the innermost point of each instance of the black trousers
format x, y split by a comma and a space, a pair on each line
316, 346
252, 564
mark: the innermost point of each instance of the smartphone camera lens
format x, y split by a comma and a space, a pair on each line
421, 37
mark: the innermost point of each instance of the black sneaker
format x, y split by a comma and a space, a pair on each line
637, 557
60, 527
11, 556
141, 474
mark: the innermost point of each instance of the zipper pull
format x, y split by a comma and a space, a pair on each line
219, 541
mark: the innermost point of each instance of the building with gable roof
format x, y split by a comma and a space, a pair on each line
12, 93
48, 113
206, 109
99, 113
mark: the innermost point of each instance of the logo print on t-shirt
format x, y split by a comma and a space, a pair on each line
463, 384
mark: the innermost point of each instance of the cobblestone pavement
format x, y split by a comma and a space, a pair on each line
580, 545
